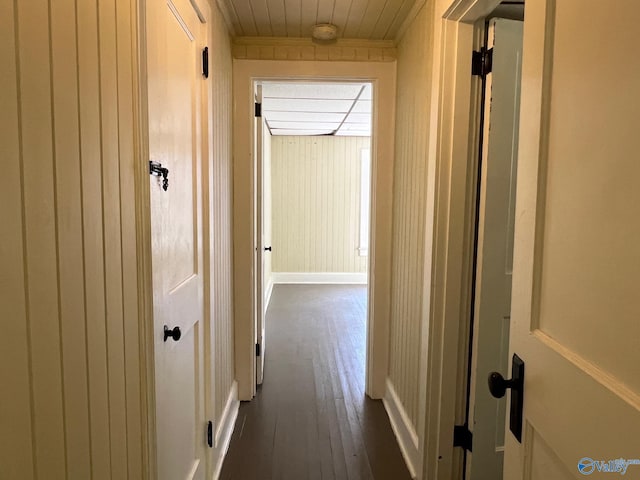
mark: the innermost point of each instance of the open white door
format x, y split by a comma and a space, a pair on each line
495, 246
576, 302
259, 238
174, 45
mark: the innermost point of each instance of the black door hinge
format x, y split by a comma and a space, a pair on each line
210, 434
462, 437
481, 62
258, 350
205, 62
258, 110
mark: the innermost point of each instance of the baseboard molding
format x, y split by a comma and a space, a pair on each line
267, 299
319, 277
224, 430
402, 428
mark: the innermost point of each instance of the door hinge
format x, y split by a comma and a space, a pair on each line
482, 62
462, 437
205, 62
258, 350
258, 110
210, 434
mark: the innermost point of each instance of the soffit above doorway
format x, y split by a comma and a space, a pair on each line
313, 108
362, 19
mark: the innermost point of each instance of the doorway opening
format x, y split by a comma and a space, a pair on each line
312, 203
498, 66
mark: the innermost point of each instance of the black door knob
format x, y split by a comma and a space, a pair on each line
267, 249
174, 333
498, 385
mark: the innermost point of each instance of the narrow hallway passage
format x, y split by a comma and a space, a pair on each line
311, 418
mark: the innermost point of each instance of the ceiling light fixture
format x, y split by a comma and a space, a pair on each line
324, 31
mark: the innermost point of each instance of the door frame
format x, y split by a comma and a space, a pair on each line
452, 175
382, 76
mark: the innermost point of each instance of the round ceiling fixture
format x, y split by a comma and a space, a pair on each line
324, 31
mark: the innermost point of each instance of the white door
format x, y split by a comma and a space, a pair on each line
495, 246
576, 299
174, 86
259, 241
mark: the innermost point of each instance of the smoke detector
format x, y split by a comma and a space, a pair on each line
324, 31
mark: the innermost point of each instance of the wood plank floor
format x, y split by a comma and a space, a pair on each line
311, 418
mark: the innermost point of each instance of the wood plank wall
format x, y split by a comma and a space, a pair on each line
221, 211
316, 204
69, 359
409, 204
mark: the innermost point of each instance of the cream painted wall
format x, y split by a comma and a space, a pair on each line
316, 203
409, 204
70, 371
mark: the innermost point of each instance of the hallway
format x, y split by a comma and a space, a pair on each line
311, 418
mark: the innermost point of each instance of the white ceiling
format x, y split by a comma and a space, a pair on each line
367, 19
313, 108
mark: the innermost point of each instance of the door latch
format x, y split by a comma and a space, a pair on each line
157, 170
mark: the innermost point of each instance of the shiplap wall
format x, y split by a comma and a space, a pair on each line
70, 401
409, 203
316, 203
221, 211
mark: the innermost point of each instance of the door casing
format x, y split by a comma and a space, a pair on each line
458, 29
382, 76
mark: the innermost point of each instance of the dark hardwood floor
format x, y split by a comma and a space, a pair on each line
311, 418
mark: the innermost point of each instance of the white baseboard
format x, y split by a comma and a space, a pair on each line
319, 277
224, 429
268, 293
402, 428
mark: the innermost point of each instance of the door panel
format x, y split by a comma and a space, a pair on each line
174, 84
495, 245
575, 305
259, 131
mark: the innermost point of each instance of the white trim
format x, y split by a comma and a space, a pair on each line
402, 428
319, 277
450, 216
267, 298
224, 430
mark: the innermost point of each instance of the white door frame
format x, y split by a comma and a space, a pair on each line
382, 76
452, 179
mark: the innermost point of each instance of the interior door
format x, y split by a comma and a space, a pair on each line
259, 241
492, 310
174, 89
575, 303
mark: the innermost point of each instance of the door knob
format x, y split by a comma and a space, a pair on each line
267, 249
174, 333
498, 387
